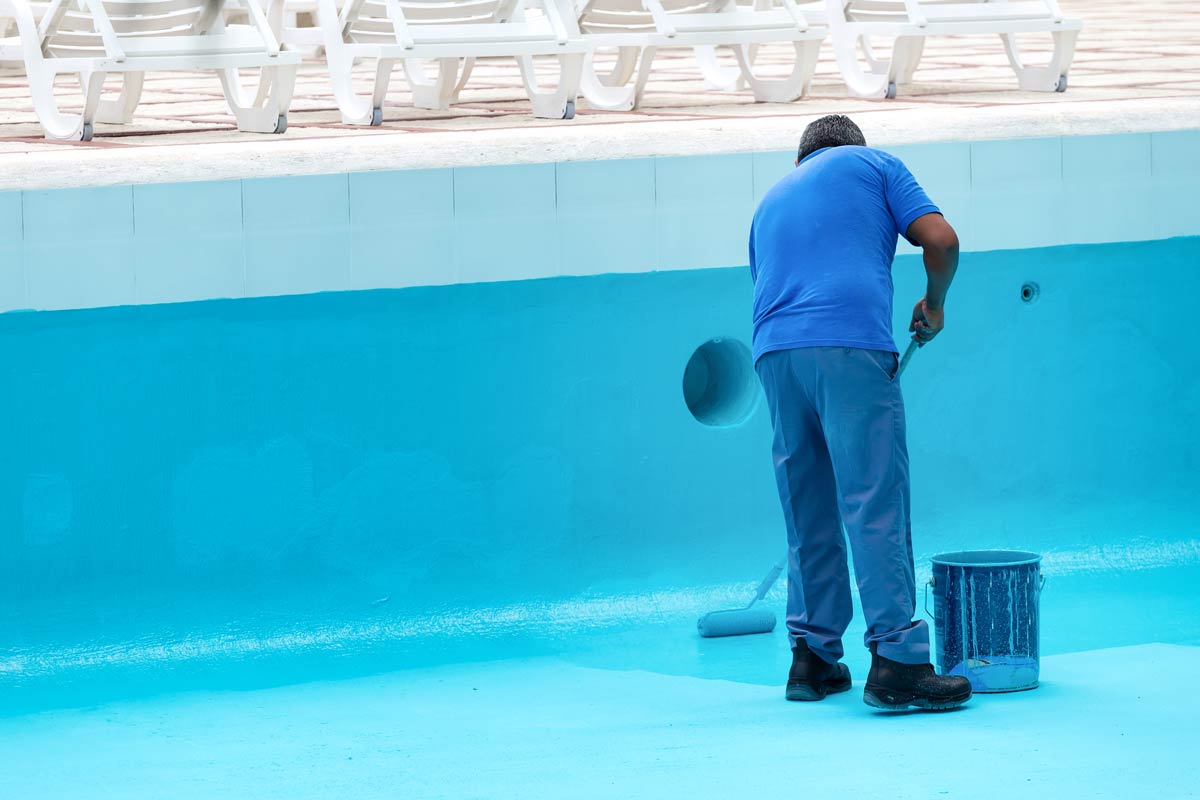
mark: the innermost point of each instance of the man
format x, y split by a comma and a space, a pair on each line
821, 250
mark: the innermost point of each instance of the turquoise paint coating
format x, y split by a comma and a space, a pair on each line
580, 726
250, 492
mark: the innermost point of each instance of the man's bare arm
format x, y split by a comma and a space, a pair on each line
940, 245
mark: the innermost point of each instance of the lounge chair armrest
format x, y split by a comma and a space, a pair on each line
404, 36
1055, 12
915, 15
796, 14
661, 17
557, 11
112, 47
258, 19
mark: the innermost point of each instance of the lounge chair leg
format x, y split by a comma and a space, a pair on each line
880, 66
876, 65
1052, 77
464, 75
623, 69
55, 124
266, 111
717, 77
787, 89
383, 76
120, 111
433, 93
558, 103
354, 108
913, 47
624, 97
906, 53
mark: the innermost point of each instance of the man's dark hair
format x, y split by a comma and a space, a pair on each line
834, 130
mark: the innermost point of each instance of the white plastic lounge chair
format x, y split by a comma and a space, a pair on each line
92, 38
451, 34
638, 28
909, 22
284, 17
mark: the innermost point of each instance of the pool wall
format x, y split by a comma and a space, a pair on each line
129, 245
185, 479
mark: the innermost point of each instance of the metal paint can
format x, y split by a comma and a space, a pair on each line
985, 615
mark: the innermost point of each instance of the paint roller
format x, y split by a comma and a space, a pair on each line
749, 619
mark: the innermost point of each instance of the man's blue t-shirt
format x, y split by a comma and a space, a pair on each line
821, 250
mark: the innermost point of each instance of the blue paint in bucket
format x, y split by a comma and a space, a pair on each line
985, 614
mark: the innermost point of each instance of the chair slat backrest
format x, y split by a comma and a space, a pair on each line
629, 16
370, 23
73, 30
889, 10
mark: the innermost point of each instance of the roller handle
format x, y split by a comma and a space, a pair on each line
768, 582
912, 348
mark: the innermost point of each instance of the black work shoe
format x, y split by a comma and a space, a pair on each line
892, 685
812, 677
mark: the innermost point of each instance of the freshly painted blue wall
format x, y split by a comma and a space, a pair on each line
238, 468
309, 474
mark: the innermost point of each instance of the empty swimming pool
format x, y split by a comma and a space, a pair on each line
451, 540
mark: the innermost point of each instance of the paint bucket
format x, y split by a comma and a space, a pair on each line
985, 615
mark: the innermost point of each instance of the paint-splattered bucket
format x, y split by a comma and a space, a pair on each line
985, 614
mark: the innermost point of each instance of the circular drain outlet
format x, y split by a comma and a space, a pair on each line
719, 385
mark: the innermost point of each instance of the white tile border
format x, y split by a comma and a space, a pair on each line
96, 261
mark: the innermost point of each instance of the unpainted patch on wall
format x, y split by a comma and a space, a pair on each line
719, 385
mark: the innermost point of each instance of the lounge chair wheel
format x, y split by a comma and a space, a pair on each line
1062, 84
569, 113
86, 136
891, 91
376, 117
281, 123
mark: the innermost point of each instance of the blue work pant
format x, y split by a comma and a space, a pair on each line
841, 459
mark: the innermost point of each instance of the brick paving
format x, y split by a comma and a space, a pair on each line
1132, 56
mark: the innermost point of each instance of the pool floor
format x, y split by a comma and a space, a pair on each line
1115, 723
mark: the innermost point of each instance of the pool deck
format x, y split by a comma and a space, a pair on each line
1104, 724
1137, 69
